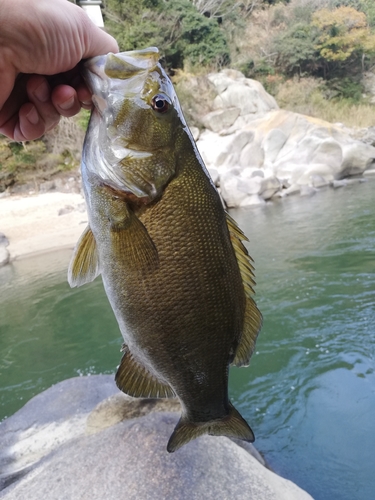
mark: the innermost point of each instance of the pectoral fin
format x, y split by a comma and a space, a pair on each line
135, 380
253, 318
84, 264
133, 243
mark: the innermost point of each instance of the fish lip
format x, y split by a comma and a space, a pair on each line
122, 65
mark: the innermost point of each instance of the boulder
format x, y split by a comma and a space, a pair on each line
4, 254
239, 100
117, 449
291, 149
220, 119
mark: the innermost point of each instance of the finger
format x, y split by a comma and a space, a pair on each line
98, 42
39, 94
84, 96
8, 80
30, 125
65, 100
9, 111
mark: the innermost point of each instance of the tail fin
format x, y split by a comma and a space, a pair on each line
232, 425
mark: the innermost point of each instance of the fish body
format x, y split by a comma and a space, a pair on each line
174, 269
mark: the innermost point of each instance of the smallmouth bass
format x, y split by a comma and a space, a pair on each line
173, 264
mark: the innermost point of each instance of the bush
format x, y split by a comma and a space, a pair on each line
182, 34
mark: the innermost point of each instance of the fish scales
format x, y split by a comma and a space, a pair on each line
160, 238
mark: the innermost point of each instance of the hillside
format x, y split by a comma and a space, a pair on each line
311, 55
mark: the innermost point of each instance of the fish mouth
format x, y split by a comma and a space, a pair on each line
122, 66
121, 74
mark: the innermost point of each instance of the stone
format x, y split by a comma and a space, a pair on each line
116, 448
252, 199
4, 242
44, 187
195, 132
214, 174
4, 256
230, 190
220, 119
47, 421
66, 210
269, 187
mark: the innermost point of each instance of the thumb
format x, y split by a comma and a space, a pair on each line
98, 42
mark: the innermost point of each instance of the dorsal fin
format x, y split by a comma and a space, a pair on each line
253, 318
135, 380
84, 264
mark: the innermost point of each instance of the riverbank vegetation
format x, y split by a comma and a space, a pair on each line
311, 55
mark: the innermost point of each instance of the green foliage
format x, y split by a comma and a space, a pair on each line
296, 49
345, 88
327, 43
174, 26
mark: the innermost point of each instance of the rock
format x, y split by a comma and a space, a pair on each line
195, 132
220, 119
4, 256
4, 242
292, 149
214, 174
269, 187
44, 187
338, 184
118, 450
307, 190
47, 421
238, 102
66, 210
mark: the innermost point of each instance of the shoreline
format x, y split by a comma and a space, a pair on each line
41, 223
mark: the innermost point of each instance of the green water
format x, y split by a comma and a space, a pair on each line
309, 393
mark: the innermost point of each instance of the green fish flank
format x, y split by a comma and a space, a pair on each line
174, 268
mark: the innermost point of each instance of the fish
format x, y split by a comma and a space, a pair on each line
173, 263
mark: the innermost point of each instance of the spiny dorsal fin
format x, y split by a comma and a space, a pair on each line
253, 318
84, 264
133, 243
135, 380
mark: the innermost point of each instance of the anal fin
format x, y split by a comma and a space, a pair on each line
135, 380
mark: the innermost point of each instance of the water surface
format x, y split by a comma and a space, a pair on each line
309, 393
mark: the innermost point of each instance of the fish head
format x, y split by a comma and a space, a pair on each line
136, 120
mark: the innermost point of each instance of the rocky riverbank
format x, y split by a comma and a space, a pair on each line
255, 151
83, 439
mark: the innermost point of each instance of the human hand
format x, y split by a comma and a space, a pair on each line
41, 44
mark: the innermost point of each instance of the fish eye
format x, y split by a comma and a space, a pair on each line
160, 104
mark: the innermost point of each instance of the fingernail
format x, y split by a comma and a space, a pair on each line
67, 104
42, 92
33, 116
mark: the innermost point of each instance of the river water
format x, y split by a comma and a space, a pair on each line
309, 393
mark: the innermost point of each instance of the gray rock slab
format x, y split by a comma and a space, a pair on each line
50, 419
129, 461
4, 256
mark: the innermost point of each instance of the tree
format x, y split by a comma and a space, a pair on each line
345, 38
174, 26
296, 50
